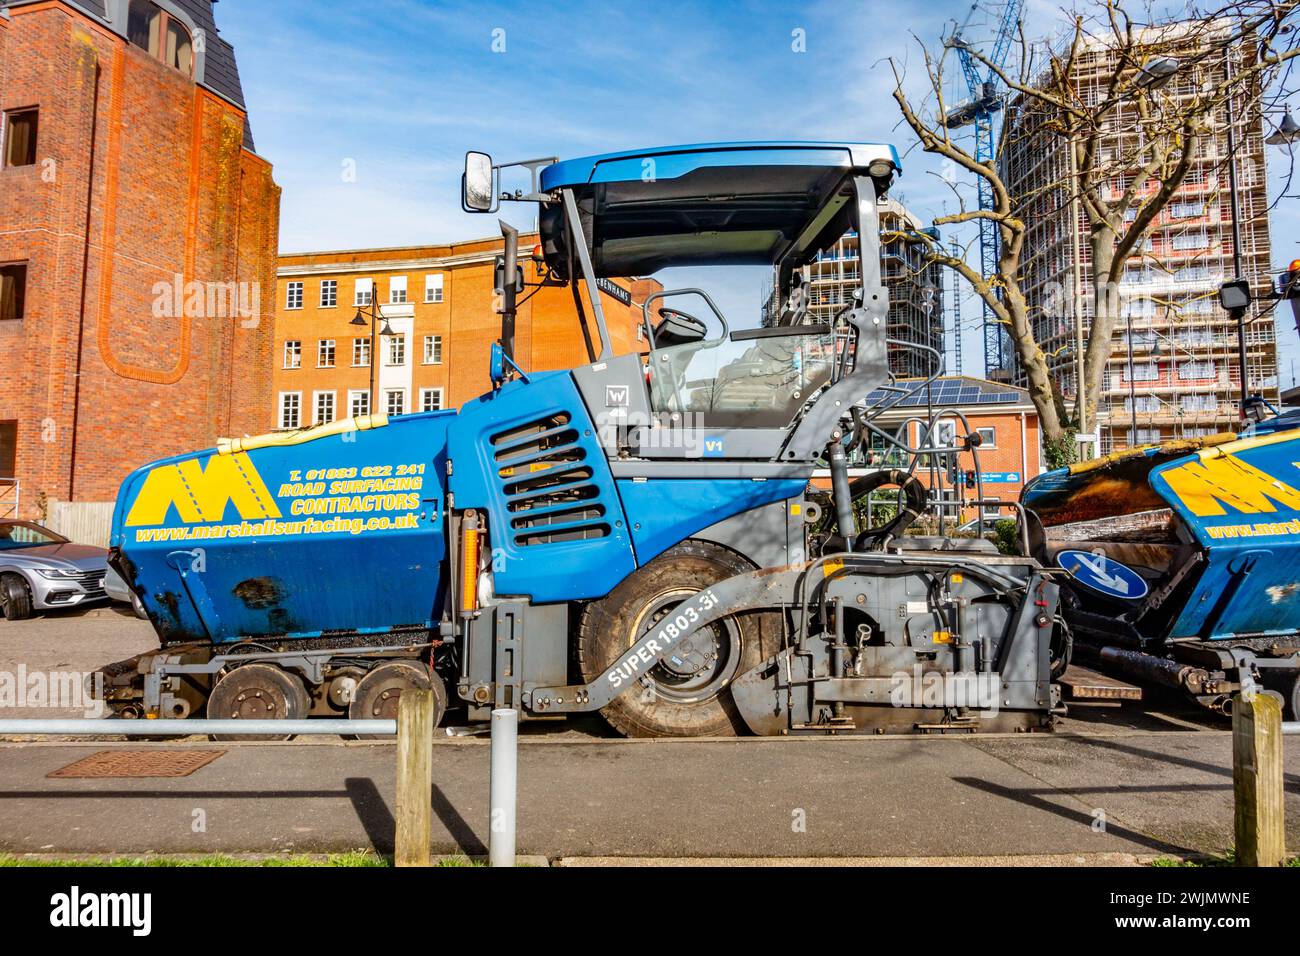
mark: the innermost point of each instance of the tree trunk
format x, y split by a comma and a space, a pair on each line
1105, 314
1034, 362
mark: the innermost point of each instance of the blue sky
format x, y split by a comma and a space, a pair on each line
396, 91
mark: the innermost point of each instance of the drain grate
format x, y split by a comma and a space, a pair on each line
139, 763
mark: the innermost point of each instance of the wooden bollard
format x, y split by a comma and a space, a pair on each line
1257, 779
411, 845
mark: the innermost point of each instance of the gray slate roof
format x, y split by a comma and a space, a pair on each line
220, 71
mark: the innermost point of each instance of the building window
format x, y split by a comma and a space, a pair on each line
20, 137
433, 287
8, 449
290, 409
430, 399
329, 293
358, 403
397, 350
151, 28
324, 407
396, 399
397, 289
988, 437
13, 291
360, 353
293, 353
1186, 210
364, 292
433, 350
293, 295
1143, 372
325, 353
1196, 370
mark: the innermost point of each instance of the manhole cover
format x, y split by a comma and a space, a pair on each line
139, 763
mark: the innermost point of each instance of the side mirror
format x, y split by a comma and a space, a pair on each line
478, 184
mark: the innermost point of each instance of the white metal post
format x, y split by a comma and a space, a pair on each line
503, 786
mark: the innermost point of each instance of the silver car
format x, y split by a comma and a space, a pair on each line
43, 571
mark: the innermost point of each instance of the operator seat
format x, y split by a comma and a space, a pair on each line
675, 328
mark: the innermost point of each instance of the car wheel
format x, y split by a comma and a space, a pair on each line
15, 598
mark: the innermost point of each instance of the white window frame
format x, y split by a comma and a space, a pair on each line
282, 415
363, 292
992, 440
321, 346
330, 286
295, 352
388, 400
363, 394
315, 406
433, 288
436, 342
362, 344
396, 355
292, 294
396, 285
1139, 369
424, 396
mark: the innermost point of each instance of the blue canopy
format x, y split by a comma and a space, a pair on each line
709, 204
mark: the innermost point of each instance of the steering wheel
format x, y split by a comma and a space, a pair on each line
668, 314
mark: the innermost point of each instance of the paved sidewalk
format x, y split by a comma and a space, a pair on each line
1141, 794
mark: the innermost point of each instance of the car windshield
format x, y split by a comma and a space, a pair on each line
24, 534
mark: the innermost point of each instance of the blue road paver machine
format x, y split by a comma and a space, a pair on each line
639, 536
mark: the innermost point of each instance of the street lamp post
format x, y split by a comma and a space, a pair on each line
375, 313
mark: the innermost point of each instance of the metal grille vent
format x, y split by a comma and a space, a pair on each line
548, 488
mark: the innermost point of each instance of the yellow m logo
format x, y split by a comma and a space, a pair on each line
202, 495
1205, 486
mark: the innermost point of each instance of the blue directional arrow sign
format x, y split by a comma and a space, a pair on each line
1104, 575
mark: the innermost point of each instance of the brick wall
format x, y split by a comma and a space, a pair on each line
141, 177
548, 334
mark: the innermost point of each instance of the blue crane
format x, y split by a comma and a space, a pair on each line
985, 100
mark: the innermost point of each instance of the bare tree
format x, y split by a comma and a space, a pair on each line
1129, 105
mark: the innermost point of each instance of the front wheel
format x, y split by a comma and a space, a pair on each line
689, 694
15, 598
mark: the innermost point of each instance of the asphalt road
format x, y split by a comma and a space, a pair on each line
1144, 781
1147, 794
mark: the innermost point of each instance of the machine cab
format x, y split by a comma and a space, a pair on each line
709, 384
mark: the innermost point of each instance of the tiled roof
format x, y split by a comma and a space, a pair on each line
220, 72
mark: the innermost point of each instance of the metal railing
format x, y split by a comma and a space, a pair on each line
11, 498
413, 728
112, 727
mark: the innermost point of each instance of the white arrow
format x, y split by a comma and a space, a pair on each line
1099, 569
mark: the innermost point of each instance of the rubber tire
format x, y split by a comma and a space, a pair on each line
605, 632
393, 677
259, 677
15, 597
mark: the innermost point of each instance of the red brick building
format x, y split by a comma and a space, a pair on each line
440, 306
138, 233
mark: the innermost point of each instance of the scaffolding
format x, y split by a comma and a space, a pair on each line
1172, 333
915, 287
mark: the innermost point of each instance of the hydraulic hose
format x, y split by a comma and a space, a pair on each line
914, 505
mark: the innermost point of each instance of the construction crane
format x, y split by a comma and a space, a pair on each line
985, 101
